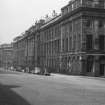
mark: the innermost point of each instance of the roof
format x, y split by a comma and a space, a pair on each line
51, 21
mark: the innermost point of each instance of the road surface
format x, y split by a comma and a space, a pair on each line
28, 89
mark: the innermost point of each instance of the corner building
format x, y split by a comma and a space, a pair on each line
74, 42
71, 43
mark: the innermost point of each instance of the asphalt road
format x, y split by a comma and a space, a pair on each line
28, 89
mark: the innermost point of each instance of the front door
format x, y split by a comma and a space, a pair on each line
102, 69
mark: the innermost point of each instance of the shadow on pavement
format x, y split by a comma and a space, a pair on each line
9, 97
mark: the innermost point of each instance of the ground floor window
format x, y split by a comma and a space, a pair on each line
89, 42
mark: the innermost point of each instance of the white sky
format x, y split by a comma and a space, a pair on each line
16, 16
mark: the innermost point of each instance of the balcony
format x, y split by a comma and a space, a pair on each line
94, 4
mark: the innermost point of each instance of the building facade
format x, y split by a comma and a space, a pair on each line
6, 55
72, 43
25, 48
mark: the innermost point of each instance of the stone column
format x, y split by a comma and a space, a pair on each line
61, 48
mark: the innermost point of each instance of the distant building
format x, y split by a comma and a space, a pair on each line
25, 47
6, 55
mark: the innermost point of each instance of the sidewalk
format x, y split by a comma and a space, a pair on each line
76, 76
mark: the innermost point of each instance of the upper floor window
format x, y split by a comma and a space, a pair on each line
101, 42
89, 42
88, 23
96, 2
96, 22
100, 23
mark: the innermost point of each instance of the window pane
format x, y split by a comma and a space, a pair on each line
89, 41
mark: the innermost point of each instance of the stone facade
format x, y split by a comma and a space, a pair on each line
6, 55
26, 48
72, 43
19, 48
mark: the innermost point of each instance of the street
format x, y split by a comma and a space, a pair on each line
28, 89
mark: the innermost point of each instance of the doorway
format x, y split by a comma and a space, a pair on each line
102, 69
90, 60
102, 65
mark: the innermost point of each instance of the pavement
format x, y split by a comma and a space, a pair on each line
28, 89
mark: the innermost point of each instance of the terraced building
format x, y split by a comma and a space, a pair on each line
6, 55
74, 41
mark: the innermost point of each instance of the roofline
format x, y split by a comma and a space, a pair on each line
51, 21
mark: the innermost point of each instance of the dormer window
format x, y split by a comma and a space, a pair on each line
89, 3
70, 8
67, 9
